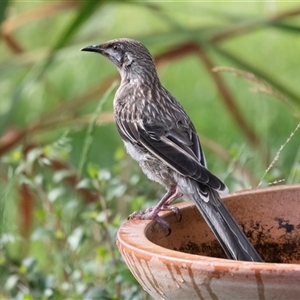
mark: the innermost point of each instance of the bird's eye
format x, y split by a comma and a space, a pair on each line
115, 47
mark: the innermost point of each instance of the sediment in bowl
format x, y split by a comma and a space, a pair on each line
167, 267
271, 221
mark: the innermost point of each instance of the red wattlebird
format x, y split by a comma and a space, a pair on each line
160, 136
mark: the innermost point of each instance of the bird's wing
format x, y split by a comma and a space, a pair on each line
175, 145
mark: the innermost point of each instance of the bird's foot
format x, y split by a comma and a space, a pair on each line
174, 209
151, 213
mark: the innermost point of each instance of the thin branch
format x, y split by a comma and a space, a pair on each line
26, 206
175, 52
258, 72
61, 115
253, 25
17, 20
228, 99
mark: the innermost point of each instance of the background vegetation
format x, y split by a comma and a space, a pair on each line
67, 185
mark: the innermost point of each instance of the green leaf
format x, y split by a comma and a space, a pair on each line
55, 193
11, 282
92, 170
62, 174
28, 264
84, 183
75, 238
41, 234
104, 175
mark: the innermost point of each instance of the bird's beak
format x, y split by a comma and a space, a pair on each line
93, 48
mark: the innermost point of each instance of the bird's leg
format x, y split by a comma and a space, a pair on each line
164, 204
167, 205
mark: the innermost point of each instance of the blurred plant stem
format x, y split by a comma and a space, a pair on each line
15, 21
89, 133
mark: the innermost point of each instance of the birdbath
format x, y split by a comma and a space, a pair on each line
189, 263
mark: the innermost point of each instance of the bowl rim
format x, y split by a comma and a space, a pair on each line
132, 236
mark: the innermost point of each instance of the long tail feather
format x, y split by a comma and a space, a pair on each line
227, 231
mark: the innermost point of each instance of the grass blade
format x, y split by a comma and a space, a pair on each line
89, 138
258, 72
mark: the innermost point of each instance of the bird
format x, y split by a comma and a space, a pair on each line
160, 136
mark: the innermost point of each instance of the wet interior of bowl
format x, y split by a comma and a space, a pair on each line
269, 218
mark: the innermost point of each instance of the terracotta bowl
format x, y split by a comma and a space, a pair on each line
190, 264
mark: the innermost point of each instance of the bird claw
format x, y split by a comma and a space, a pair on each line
176, 211
151, 213
148, 215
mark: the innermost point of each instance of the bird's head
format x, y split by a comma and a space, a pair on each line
131, 57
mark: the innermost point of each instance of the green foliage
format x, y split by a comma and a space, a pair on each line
66, 182
67, 250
